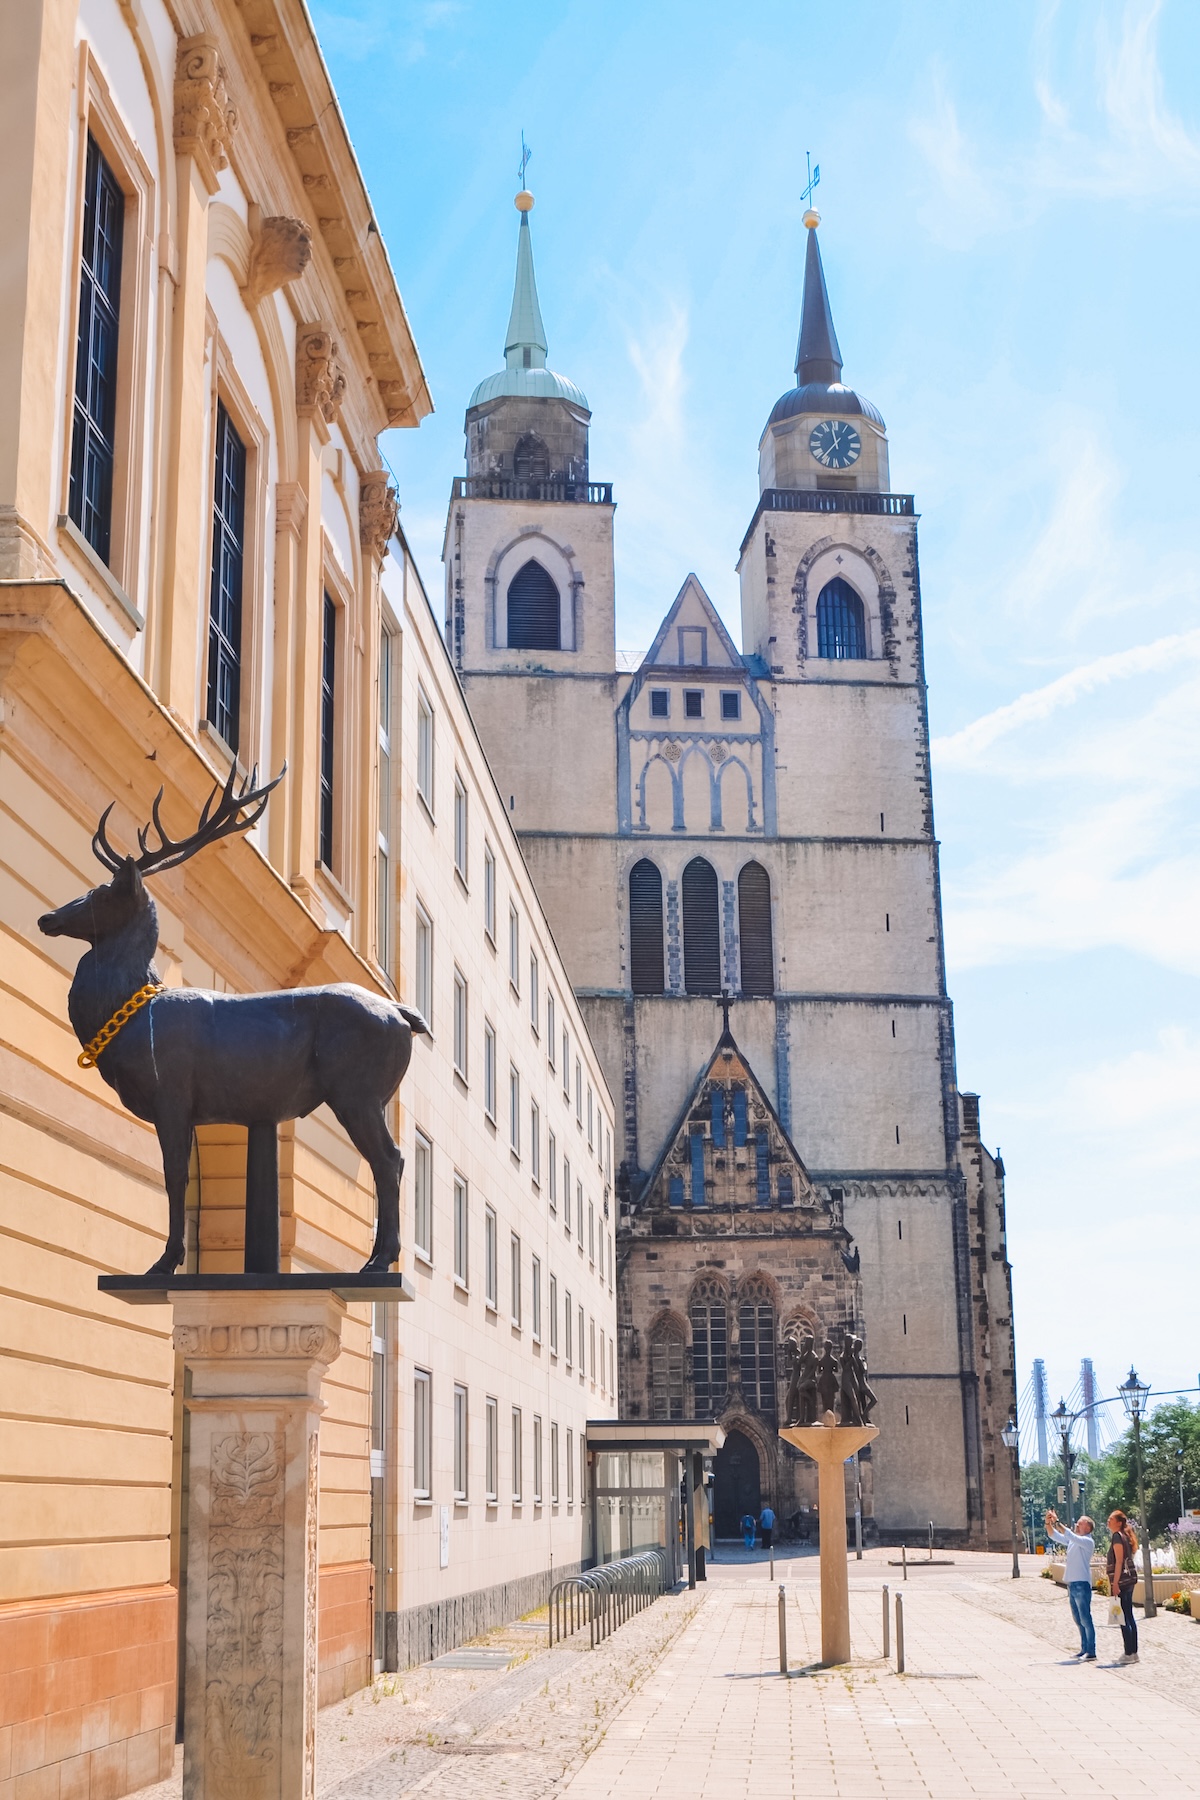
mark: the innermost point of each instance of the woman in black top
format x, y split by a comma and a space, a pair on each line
1122, 1573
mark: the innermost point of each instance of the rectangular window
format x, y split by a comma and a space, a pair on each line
423, 974
607, 1154
583, 1482
422, 1438
579, 1215
535, 1298
731, 706
551, 1048
517, 1456
514, 948
582, 1342
591, 1232
423, 1197
693, 645
328, 728
384, 931
462, 1232
534, 1018
223, 708
552, 1168
460, 826
566, 1063
94, 431
535, 1144
425, 749
570, 1466
460, 1443
460, 1023
491, 1257
612, 1376
491, 1450
552, 1299
600, 1247
578, 1093
514, 1277
554, 1462
697, 1150
660, 703
592, 1349
591, 1119
489, 1071
693, 703
489, 891
514, 1110
568, 1328
602, 1364
537, 1460
567, 1195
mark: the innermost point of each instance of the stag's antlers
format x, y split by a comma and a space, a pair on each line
217, 820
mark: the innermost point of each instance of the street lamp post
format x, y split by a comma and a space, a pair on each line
1134, 1394
1179, 1472
1062, 1419
1011, 1440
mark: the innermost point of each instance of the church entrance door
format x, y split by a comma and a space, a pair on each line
737, 1486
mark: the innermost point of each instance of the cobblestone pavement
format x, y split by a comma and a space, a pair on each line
686, 1700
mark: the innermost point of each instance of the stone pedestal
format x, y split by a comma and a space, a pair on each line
256, 1358
830, 1446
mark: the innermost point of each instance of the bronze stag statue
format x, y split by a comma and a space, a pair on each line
182, 1057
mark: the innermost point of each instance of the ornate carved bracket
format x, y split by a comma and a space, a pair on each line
205, 116
320, 380
280, 252
378, 511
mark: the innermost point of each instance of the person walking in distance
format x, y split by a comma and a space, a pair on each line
749, 1525
1122, 1574
1079, 1545
766, 1522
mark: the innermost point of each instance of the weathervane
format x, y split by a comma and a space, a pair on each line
814, 177
526, 153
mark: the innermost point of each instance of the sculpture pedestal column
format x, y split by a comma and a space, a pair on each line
256, 1359
830, 1446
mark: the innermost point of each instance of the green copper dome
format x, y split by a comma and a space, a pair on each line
525, 375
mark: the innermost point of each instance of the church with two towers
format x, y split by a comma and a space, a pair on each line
735, 848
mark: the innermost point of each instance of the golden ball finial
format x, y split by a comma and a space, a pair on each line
524, 201
812, 218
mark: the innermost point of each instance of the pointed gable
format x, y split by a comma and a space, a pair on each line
692, 635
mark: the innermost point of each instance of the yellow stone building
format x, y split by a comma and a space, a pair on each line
199, 569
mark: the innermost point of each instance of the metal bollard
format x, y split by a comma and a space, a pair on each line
783, 1666
887, 1627
899, 1634
772, 1576
904, 1559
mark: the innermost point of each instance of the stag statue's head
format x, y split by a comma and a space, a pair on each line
107, 911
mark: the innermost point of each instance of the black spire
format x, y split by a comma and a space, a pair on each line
818, 357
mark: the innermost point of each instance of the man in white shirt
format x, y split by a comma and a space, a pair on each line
1080, 1548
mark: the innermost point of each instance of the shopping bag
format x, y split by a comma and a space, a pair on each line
1114, 1611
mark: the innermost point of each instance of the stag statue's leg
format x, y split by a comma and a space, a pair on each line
175, 1141
365, 1126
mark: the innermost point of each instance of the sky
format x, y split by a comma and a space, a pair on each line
1010, 199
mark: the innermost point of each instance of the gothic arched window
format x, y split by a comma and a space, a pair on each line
841, 629
531, 459
533, 609
709, 1315
666, 1369
754, 929
646, 928
756, 1344
701, 929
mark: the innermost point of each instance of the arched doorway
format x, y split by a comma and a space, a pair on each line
737, 1486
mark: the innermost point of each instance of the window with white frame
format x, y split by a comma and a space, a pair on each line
489, 891
612, 1376
552, 1168
567, 1195
460, 826
422, 1433
535, 1298
600, 1248
534, 1002
514, 948
491, 1257
554, 1462
537, 1460
566, 1062
610, 1263
579, 1215
462, 1262
578, 1093
592, 1350
491, 1450
423, 1197
385, 929
514, 1110
591, 1233
489, 1070
535, 1144
552, 1301
423, 972
568, 1328
590, 1117
517, 1456
607, 1154
602, 1359
460, 1443
570, 1467
514, 1267
551, 1029
460, 1024
583, 1480
580, 1360
425, 749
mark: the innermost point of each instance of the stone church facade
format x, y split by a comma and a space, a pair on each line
753, 823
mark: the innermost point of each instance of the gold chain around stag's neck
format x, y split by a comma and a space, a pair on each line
122, 1016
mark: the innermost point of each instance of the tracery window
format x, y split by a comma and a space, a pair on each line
841, 630
646, 968
666, 1370
533, 609
756, 1344
708, 1311
754, 930
701, 929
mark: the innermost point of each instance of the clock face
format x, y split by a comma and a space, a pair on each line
835, 444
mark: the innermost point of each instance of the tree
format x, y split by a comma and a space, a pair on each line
1113, 1478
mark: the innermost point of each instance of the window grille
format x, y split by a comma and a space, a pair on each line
756, 1351
841, 632
646, 964
223, 709
693, 703
709, 1315
660, 703
754, 930
701, 929
731, 705
94, 432
533, 609
666, 1372
328, 728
